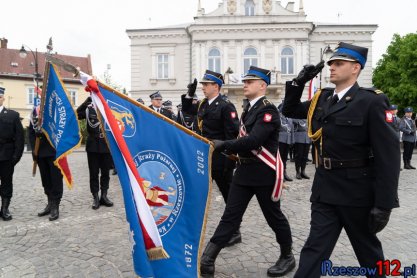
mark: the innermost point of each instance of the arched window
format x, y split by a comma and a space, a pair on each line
249, 7
250, 58
214, 60
287, 61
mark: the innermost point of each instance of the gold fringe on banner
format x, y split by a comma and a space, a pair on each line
157, 253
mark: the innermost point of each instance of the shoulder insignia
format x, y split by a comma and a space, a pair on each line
373, 90
266, 102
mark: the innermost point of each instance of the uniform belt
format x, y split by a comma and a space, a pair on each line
330, 163
248, 160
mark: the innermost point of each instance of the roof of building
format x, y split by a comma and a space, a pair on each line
14, 66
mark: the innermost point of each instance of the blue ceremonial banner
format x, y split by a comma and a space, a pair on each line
59, 121
175, 172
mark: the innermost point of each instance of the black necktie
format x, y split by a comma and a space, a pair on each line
334, 100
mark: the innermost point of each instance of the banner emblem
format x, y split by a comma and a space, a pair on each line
124, 119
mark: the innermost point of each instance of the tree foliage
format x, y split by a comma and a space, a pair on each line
396, 72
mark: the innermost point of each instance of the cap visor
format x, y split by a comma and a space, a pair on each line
251, 78
206, 81
341, 58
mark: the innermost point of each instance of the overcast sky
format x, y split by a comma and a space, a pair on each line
98, 28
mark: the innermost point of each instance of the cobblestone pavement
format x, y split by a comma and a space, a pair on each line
94, 243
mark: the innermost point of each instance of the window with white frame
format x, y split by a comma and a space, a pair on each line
287, 61
162, 68
30, 95
73, 96
250, 58
214, 60
249, 8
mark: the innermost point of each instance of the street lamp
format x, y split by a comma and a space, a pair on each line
324, 54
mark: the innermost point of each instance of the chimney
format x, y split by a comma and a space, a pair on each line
3, 43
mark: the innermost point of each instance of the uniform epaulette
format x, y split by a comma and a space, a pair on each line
373, 90
266, 102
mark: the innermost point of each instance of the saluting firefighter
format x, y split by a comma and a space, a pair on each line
356, 183
98, 154
216, 119
11, 149
260, 121
408, 127
301, 147
285, 139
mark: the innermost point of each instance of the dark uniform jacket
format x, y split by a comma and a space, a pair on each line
262, 123
220, 120
95, 141
186, 120
45, 148
167, 113
11, 136
354, 128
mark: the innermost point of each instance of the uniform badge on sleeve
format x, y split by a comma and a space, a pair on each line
267, 118
233, 115
389, 118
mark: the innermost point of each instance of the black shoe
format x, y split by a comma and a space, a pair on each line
208, 259
4, 212
411, 166
235, 239
304, 175
407, 167
96, 201
54, 209
285, 264
104, 200
46, 210
286, 177
114, 172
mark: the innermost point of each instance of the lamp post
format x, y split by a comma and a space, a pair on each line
23, 54
324, 54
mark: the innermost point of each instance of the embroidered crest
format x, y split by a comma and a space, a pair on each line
389, 118
233, 115
267, 118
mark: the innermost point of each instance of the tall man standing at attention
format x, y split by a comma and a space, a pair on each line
358, 161
11, 149
216, 119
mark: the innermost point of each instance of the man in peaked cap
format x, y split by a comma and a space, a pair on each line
261, 121
168, 106
216, 119
140, 100
408, 127
356, 181
156, 104
11, 150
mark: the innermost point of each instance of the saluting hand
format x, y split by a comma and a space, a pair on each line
308, 72
192, 87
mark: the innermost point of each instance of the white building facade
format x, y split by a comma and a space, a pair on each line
239, 33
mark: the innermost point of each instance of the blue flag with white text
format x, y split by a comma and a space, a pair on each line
175, 171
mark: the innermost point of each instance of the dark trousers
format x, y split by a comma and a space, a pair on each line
408, 150
223, 179
283, 152
51, 178
239, 198
327, 222
99, 162
6, 178
301, 154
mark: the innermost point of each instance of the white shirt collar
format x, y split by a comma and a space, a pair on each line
342, 93
1, 108
254, 101
211, 100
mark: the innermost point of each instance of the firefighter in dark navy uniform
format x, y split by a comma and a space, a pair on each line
261, 121
301, 147
216, 119
156, 100
98, 155
408, 127
11, 150
358, 160
51, 176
